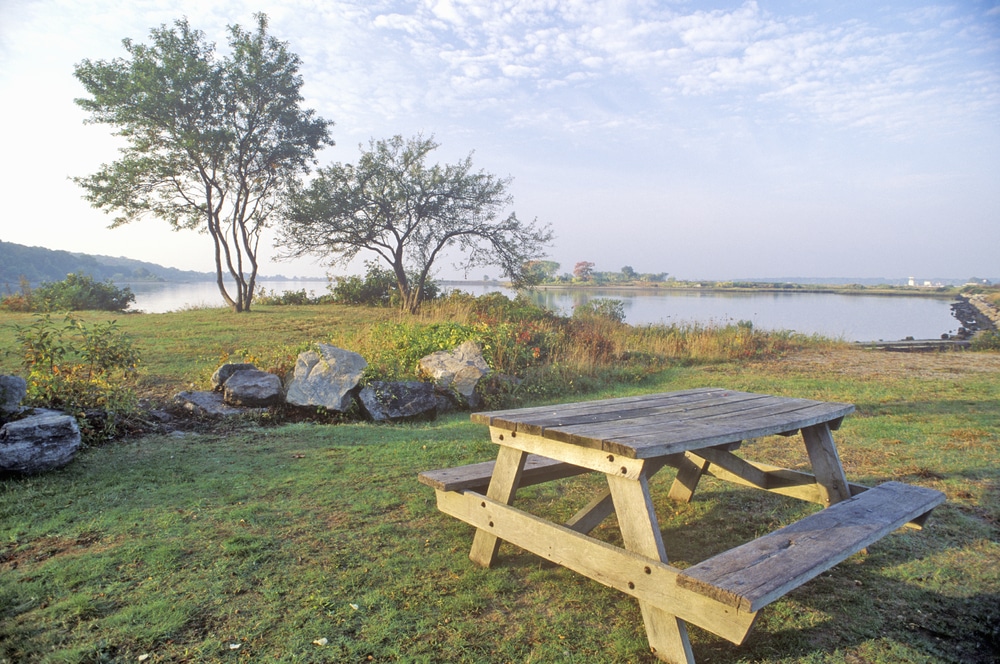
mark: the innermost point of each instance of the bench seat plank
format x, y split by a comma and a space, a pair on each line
755, 574
476, 476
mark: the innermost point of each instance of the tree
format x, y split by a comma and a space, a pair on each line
628, 274
539, 272
409, 213
210, 144
584, 270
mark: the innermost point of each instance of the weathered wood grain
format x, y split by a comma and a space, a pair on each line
755, 574
658, 424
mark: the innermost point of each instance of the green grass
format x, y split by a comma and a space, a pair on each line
250, 546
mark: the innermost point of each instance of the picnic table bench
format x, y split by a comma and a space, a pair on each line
697, 432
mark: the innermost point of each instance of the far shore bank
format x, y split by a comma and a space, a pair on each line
763, 288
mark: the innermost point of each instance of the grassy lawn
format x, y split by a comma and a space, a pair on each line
316, 543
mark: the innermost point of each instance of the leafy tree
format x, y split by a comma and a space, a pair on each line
210, 144
628, 274
394, 204
584, 270
538, 272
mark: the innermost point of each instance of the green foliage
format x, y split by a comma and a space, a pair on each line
409, 213
79, 368
986, 340
378, 288
601, 307
393, 349
287, 298
77, 292
212, 143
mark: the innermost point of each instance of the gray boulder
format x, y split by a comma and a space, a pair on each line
207, 404
252, 388
459, 370
326, 377
223, 373
45, 440
398, 402
13, 390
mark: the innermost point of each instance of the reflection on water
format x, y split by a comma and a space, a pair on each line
848, 317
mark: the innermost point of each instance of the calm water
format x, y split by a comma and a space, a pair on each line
850, 317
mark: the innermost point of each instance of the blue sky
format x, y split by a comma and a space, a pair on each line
709, 140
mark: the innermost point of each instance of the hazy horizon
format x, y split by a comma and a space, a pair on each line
709, 140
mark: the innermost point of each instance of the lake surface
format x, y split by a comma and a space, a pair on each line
848, 317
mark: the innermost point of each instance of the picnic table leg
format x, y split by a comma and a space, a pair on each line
667, 634
602, 506
689, 471
503, 486
826, 464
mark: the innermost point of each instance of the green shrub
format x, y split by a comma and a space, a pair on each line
394, 349
87, 371
986, 340
601, 307
285, 298
77, 292
378, 288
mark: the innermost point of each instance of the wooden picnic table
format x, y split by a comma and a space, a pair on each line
697, 432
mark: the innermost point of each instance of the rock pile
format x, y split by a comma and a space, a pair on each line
975, 314
330, 378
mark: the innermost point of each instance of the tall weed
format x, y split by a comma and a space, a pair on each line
87, 370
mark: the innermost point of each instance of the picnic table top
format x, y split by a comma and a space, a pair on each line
655, 425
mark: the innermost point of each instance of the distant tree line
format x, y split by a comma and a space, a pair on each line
547, 272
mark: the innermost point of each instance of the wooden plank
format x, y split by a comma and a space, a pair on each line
782, 481
476, 476
597, 412
602, 506
826, 464
645, 427
689, 472
503, 485
667, 634
693, 437
753, 575
753, 475
520, 414
636, 575
576, 455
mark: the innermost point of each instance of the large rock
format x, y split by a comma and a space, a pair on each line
252, 388
460, 370
13, 390
223, 373
43, 441
398, 402
327, 377
207, 404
